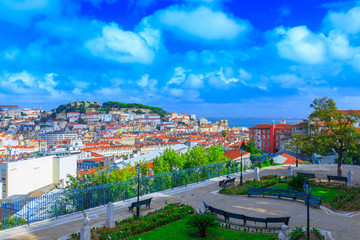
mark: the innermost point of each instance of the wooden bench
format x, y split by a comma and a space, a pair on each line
230, 181
145, 202
309, 175
337, 178
284, 193
228, 215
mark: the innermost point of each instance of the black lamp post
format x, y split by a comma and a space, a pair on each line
138, 168
307, 191
241, 167
297, 162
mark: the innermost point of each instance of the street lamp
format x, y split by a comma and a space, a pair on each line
307, 190
138, 168
241, 167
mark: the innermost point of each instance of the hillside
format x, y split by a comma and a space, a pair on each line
83, 106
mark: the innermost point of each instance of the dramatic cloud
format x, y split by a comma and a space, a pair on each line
202, 22
182, 55
348, 22
121, 46
301, 45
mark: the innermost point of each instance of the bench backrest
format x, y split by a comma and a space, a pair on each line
230, 180
278, 219
234, 215
310, 175
142, 202
205, 205
254, 219
217, 211
337, 178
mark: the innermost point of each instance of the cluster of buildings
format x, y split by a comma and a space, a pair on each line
40, 148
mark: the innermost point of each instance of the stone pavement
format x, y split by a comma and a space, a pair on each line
341, 225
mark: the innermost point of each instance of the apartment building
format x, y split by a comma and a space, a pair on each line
268, 137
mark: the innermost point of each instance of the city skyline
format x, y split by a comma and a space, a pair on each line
212, 58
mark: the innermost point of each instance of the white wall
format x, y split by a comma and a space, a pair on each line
64, 166
28, 175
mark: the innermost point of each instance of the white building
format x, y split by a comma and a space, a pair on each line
24, 176
52, 137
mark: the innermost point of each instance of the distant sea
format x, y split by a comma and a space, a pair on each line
251, 122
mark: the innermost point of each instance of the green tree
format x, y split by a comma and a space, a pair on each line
330, 129
250, 147
216, 154
243, 145
224, 133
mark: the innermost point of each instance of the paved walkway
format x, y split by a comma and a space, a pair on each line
341, 225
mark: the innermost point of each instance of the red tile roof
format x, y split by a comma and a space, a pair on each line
290, 159
234, 154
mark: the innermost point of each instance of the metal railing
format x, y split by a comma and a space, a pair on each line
62, 202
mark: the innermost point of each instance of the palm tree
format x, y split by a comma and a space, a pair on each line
203, 221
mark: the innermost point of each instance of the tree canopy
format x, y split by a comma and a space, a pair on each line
329, 129
169, 161
250, 147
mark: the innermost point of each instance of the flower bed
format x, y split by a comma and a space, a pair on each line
265, 181
348, 201
299, 234
133, 226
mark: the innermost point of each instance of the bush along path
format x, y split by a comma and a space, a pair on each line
335, 197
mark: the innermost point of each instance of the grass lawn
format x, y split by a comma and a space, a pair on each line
326, 194
179, 231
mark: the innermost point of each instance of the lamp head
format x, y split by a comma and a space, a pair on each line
307, 187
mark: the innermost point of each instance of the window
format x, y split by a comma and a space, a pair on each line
268, 131
264, 144
277, 144
268, 144
263, 136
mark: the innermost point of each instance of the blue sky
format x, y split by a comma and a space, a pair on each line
209, 57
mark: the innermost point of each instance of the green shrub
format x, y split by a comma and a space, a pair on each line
202, 222
317, 233
297, 182
296, 233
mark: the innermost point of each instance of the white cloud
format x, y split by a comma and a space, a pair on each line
26, 83
121, 46
22, 12
348, 22
151, 35
289, 81
221, 78
244, 75
186, 79
179, 76
195, 81
301, 45
339, 46
202, 22
146, 82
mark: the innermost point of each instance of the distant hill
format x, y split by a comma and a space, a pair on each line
83, 106
132, 106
